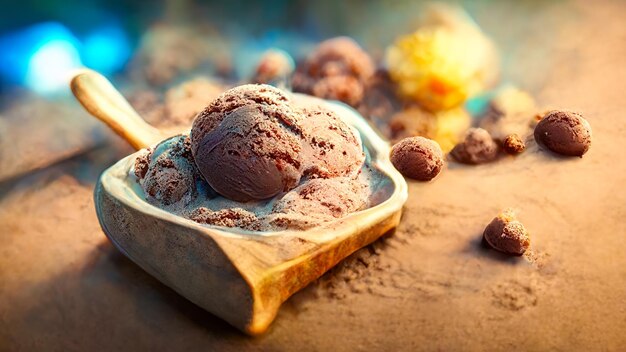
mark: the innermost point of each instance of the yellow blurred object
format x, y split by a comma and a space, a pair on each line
451, 125
447, 60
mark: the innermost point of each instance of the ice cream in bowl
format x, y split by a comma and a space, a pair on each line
265, 192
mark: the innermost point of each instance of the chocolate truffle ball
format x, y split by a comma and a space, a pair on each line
477, 147
337, 69
505, 234
247, 145
513, 144
564, 132
418, 158
275, 65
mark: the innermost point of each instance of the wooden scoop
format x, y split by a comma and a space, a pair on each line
98, 96
241, 276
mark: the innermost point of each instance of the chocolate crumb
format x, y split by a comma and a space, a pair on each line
142, 164
513, 144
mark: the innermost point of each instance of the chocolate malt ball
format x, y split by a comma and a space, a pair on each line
337, 69
273, 67
564, 132
418, 158
477, 147
505, 234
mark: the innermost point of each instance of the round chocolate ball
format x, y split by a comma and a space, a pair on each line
418, 158
505, 234
564, 132
477, 147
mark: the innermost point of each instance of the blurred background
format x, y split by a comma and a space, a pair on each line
152, 46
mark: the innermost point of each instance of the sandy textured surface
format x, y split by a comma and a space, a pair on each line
428, 286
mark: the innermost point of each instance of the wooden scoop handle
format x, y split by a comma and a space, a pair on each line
98, 96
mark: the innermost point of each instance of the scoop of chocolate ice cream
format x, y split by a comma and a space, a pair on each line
247, 143
418, 158
477, 147
167, 173
318, 200
505, 234
332, 148
275, 103
564, 132
250, 156
337, 69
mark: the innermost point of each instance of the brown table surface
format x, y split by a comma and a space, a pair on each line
429, 286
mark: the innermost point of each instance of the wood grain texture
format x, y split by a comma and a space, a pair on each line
98, 96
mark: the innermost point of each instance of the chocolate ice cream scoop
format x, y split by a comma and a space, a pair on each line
477, 147
167, 173
250, 155
564, 132
318, 199
505, 234
276, 105
332, 147
418, 158
247, 143
337, 69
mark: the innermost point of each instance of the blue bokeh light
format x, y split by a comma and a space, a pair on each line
43, 57
39, 57
106, 49
50, 67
